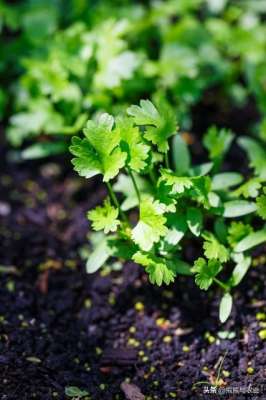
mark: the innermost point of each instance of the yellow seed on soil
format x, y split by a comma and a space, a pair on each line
149, 343
141, 353
250, 370
111, 299
132, 329
210, 338
155, 383
226, 374
133, 342
167, 339
262, 334
87, 303
261, 316
172, 394
152, 369
160, 321
102, 386
139, 306
185, 348
145, 359
98, 351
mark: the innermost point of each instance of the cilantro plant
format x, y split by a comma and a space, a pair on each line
159, 201
62, 63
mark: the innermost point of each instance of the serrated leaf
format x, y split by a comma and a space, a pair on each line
225, 180
256, 155
248, 189
160, 124
237, 231
205, 272
181, 155
194, 220
151, 225
252, 240
261, 204
132, 144
99, 151
237, 208
225, 307
178, 183
159, 269
196, 187
217, 142
145, 114
104, 217
213, 249
86, 162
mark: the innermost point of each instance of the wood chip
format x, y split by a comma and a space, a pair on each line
132, 392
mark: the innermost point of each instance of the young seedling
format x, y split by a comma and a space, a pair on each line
172, 200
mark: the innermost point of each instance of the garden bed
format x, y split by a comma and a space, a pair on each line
61, 327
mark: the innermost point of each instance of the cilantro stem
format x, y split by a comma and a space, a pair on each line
221, 284
115, 201
152, 176
167, 162
134, 183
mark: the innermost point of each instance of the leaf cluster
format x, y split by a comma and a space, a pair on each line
159, 203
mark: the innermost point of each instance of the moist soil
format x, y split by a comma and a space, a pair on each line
60, 327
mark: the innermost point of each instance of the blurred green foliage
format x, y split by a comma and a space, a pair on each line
61, 61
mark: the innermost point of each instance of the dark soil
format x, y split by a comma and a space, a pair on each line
60, 327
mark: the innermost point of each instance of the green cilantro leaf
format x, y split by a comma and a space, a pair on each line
214, 250
256, 154
205, 272
104, 218
99, 151
159, 270
132, 144
179, 183
261, 204
237, 231
249, 189
163, 123
151, 225
197, 187
217, 142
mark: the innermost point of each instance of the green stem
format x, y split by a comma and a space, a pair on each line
134, 184
152, 176
221, 284
167, 162
115, 201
